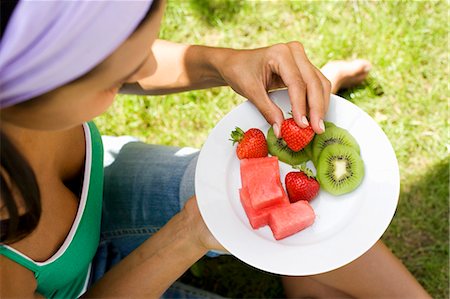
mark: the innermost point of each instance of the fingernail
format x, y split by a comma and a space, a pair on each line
367, 68
305, 120
322, 125
276, 130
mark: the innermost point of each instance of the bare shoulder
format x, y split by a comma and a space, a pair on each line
17, 281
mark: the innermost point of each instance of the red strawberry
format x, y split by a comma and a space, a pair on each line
295, 137
251, 144
301, 185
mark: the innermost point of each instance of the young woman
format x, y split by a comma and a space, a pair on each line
70, 227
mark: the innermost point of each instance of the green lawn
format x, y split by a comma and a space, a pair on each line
407, 94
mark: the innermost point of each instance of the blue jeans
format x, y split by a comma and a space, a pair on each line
145, 185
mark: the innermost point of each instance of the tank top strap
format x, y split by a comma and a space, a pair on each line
22, 260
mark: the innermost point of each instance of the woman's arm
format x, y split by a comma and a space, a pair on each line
251, 73
150, 269
179, 68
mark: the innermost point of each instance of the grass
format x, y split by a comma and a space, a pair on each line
406, 93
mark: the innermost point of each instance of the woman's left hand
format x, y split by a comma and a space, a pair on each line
202, 235
252, 73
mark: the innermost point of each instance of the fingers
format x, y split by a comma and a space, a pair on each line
326, 85
252, 73
284, 64
318, 111
271, 112
317, 89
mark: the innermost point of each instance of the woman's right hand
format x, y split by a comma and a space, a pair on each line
201, 234
253, 73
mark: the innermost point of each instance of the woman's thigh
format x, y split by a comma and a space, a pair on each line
145, 186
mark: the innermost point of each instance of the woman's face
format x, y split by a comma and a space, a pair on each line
89, 96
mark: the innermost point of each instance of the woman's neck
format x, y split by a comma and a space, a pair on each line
32, 144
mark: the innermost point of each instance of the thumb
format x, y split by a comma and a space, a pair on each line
271, 112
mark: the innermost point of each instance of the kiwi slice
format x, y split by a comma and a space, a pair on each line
308, 150
329, 124
340, 169
332, 134
277, 147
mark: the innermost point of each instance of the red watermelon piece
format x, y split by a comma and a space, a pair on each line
258, 218
287, 220
261, 177
258, 161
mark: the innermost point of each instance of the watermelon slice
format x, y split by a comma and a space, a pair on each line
290, 219
258, 161
258, 218
261, 177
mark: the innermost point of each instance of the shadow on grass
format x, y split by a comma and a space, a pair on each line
229, 277
216, 12
419, 232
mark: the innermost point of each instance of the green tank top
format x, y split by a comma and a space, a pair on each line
66, 273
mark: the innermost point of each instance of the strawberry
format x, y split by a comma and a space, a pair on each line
251, 144
301, 185
296, 137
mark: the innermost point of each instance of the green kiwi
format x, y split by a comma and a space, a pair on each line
332, 134
340, 169
329, 124
308, 150
277, 147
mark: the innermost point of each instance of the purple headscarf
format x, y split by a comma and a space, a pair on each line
49, 43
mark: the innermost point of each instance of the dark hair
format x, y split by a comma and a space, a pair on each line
16, 174
6, 10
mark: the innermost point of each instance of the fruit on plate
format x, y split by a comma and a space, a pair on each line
340, 169
308, 151
288, 220
261, 177
258, 218
251, 144
301, 185
265, 201
332, 134
278, 147
296, 138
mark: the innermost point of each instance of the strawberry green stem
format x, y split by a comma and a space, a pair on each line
302, 167
237, 135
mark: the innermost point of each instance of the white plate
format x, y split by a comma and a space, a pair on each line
346, 226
